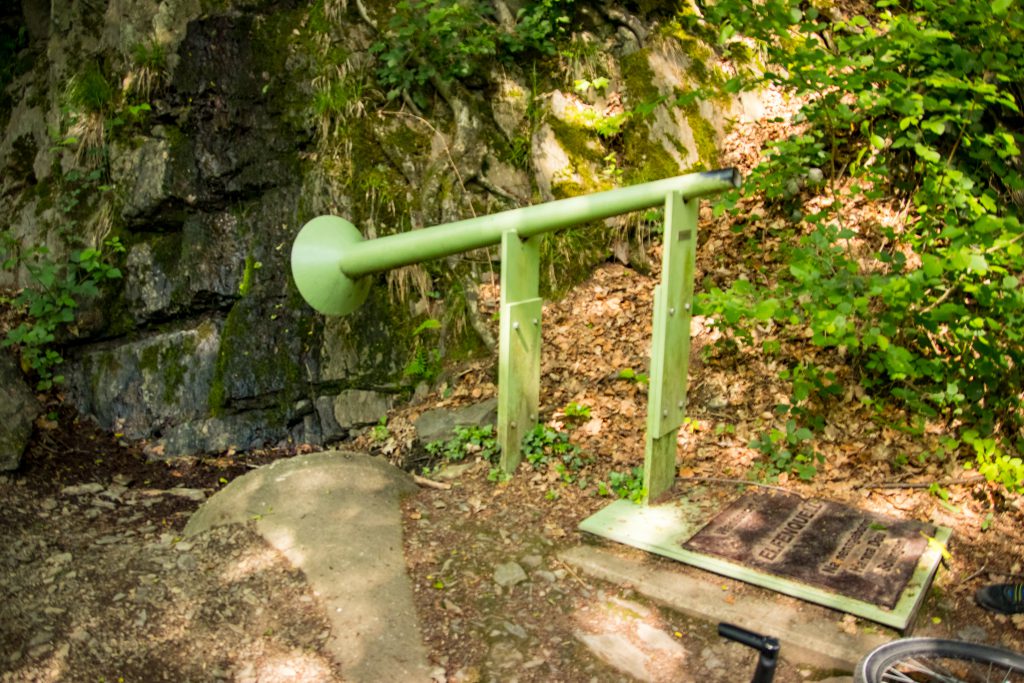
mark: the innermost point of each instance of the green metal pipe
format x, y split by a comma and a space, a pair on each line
392, 251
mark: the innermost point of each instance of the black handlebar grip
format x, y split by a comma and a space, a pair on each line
748, 638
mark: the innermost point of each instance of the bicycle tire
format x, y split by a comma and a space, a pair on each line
927, 660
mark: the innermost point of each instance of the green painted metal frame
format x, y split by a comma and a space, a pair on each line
331, 264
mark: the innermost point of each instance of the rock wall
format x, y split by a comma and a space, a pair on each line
229, 123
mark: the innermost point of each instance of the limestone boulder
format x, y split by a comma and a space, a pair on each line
18, 410
147, 386
439, 424
358, 408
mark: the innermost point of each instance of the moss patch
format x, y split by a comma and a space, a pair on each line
169, 363
645, 159
260, 355
639, 78
251, 266
705, 136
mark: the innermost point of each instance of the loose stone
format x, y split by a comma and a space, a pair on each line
190, 494
82, 489
531, 561
509, 574
545, 575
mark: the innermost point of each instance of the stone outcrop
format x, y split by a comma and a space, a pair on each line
18, 411
231, 123
439, 424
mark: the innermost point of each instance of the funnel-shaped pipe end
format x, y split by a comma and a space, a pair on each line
316, 255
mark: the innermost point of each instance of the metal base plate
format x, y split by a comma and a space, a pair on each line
665, 530
851, 552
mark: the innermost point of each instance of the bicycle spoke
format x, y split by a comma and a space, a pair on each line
934, 671
918, 666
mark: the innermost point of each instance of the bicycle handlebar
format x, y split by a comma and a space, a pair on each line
766, 645
748, 638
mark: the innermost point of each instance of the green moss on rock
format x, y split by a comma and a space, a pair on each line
639, 78
168, 365
251, 266
705, 136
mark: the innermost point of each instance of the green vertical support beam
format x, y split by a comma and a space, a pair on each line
670, 345
518, 344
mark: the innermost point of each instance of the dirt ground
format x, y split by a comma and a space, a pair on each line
99, 586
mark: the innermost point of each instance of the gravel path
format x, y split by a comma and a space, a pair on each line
98, 585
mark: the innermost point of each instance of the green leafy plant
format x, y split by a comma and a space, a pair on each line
996, 464
51, 301
433, 39
611, 168
786, 450
607, 126
425, 364
725, 429
628, 485
633, 376
498, 476
439, 41
540, 26
577, 411
470, 442
583, 86
380, 431
129, 115
550, 449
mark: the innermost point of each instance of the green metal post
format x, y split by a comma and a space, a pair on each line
670, 347
518, 344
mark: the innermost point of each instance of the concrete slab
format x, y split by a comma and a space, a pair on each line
336, 516
809, 634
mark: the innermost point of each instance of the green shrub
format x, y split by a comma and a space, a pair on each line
918, 104
628, 485
427, 39
51, 301
449, 40
549, 449
786, 450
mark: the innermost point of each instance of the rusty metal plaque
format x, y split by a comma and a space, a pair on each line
859, 554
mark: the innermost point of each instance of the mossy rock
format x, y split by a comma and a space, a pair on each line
261, 353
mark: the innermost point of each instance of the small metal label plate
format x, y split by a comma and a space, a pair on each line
859, 554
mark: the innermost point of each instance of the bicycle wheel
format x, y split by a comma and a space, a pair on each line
915, 660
